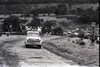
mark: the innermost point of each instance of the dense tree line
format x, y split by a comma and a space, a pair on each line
48, 27
34, 23
14, 9
88, 16
45, 1
58, 10
12, 24
51, 27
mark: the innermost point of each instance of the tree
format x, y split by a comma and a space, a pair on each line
6, 27
64, 24
34, 12
84, 19
50, 9
61, 10
80, 11
96, 15
12, 24
88, 16
47, 26
35, 22
58, 31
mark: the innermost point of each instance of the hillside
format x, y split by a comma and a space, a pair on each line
25, 8
46, 1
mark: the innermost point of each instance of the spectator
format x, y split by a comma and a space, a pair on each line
7, 34
81, 35
93, 39
97, 39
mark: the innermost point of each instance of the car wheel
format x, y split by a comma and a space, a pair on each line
26, 46
39, 46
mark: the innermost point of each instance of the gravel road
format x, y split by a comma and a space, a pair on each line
3, 49
32, 57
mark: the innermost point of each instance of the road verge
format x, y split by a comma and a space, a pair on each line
10, 59
82, 55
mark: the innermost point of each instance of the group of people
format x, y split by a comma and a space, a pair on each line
93, 38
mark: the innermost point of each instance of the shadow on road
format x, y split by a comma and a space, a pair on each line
30, 47
10, 59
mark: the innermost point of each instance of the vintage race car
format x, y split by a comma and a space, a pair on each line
33, 40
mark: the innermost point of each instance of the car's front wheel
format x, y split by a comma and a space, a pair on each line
26, 46
39, 46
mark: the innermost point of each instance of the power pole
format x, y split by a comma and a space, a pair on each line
93, 25
69, 5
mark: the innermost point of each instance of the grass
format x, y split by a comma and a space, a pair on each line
83, 55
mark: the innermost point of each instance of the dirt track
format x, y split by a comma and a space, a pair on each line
38, 57
17, 55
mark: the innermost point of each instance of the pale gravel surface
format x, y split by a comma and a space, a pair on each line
4, 39
38, 57
30, 57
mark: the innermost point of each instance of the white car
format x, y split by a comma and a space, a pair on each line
33, 40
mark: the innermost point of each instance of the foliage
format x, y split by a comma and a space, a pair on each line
58, 31
12, 24
61, 10
49, 24
35, 22
47, 27
80, 11
46, 30
47, 9
64, 24
34, 12
88, 16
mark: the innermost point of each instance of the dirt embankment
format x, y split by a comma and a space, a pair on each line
83, 55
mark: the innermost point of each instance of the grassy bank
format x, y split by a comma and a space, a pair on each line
83, 55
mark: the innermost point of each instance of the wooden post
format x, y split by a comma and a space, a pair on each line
93, 24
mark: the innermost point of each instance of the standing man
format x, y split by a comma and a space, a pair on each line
39, 30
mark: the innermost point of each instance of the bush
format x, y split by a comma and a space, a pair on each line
58, 31
88, 16
12, 23
34, 23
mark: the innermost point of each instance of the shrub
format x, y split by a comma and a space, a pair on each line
58, 31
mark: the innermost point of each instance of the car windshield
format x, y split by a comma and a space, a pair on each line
32, 32
33, 35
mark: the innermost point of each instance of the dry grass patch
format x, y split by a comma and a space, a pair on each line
85, 55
